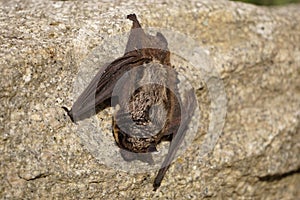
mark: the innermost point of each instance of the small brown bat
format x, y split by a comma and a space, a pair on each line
146, 54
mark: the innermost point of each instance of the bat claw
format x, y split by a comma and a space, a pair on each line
156, 186
69, 113
132, 17
136, 23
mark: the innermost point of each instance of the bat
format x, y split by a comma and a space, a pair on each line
148, 113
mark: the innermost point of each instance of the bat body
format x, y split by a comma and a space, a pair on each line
152, 112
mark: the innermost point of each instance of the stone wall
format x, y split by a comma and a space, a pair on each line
255, 50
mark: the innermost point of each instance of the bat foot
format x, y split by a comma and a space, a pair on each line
132, 17
136, 23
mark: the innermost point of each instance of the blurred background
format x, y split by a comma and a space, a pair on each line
269, 2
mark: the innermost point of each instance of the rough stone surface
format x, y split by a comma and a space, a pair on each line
256, 50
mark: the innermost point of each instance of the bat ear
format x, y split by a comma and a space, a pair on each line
152, 148
128, 156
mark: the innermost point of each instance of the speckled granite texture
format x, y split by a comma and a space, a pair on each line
256, 51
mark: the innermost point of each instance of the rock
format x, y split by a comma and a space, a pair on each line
254, 50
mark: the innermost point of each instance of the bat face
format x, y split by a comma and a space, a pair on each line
150, 109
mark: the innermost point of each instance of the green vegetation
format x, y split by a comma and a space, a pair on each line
269, 2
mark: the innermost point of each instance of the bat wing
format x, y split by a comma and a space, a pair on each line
187, 110
101, 87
